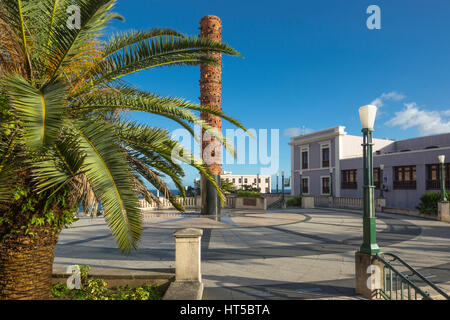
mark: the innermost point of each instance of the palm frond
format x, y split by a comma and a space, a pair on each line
153, 178
162, 106
60, 164
12, 12
67, 44
7, 181
170, 150
84, 192
41, 111
142, 189
107, 171
158, 52
122, 40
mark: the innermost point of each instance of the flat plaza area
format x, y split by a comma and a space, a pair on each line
280, 254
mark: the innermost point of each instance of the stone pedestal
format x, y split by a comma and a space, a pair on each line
368, 275
330, 202
307, 202
188, 255
444, 211
380, 203
188, 275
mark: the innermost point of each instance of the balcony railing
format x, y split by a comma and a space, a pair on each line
436, 184
405, 185
349, 185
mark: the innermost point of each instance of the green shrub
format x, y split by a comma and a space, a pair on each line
96, 289
429, 202
295, 201
242, 193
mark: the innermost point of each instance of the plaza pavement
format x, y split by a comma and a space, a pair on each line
283, 254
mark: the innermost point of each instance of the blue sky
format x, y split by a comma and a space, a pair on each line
309, 65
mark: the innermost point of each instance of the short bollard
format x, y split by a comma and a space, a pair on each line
188, 274
188, 255
444, 211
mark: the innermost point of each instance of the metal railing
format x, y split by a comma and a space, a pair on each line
338, 202
436, 184
400, 285
276, 205
405, 185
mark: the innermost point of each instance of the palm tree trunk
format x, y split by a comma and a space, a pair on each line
26, 266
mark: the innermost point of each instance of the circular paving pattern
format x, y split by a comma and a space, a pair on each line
228, 219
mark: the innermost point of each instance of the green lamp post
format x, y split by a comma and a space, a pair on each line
277, 182
441, 165
381, 181
367, 116
282, 186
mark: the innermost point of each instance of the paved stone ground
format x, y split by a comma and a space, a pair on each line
288, 254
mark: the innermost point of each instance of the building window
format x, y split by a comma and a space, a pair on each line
325, 158
267, 180
325, 185
405, 177
434, 176
305, 159
349, 180
376, 177
305, 185
245, 180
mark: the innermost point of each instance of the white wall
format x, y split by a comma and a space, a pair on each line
351, 146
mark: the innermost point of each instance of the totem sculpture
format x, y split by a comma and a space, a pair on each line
211, 91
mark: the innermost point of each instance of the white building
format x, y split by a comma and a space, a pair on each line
255, 180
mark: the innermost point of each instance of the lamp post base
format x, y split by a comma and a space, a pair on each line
368, 275
444, 211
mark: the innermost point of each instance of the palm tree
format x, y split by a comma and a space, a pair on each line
63, 136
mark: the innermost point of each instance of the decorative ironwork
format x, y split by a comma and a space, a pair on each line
349, 185
406, 185
436, 184
398, 285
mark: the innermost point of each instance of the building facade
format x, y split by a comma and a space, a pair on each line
263, 182
330, 161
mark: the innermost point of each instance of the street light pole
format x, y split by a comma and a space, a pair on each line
382, 181
282, 186
277, 182
442, 167
369, 246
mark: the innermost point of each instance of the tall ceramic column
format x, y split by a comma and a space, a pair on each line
211, 92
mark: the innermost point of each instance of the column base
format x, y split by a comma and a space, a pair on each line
444, 211
210, 197
368, 275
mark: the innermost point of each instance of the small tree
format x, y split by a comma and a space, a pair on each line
227, 186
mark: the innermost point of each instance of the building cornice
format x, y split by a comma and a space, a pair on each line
399, 153
317, 136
